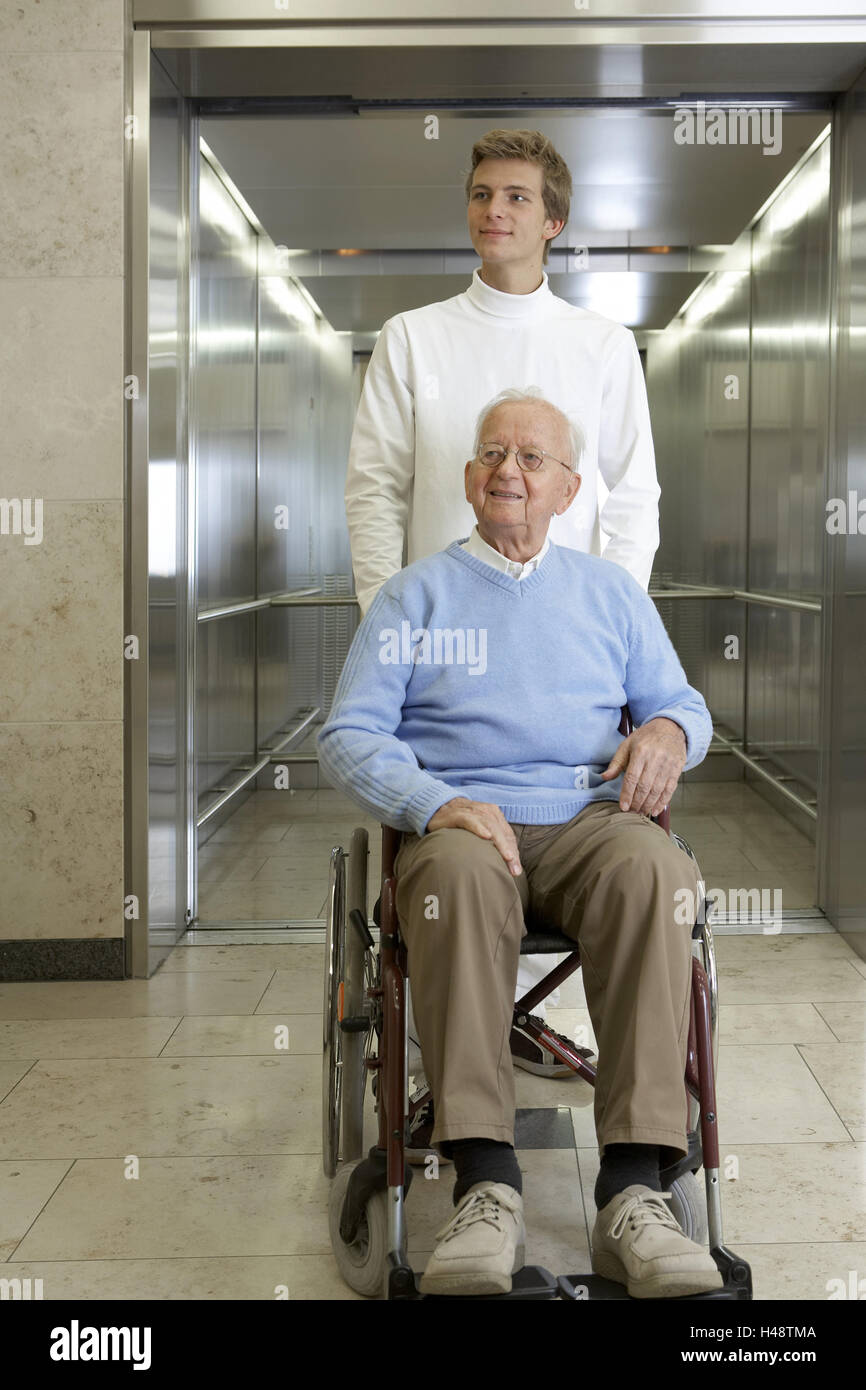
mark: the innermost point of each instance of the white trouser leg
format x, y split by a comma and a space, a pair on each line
415, 1065
530, 971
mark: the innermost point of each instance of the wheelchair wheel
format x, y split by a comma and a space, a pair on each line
707, 957
354, 1044
343, 1066
689, 1207
335, 950
683, 845
362, 1264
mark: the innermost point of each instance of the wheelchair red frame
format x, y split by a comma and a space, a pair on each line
365, 997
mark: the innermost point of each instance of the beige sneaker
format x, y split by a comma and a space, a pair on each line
637, 1241
481, 1246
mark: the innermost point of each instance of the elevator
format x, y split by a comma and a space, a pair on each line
295, 181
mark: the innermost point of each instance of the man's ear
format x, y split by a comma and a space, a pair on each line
466, 480
569, 493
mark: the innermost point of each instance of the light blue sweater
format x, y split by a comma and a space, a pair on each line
462, 681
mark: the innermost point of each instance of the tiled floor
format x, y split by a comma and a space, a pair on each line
155, 1142
270, 861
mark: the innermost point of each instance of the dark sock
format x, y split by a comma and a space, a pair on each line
624, 1164
483, 1160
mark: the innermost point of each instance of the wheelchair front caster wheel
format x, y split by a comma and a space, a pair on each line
361, 1264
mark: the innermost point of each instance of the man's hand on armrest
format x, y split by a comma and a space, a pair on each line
483, 819
652, 758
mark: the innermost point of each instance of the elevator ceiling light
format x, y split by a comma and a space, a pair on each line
290, 298
162, 518
613, 293
231, 187
218, 209
712, 295
792, 206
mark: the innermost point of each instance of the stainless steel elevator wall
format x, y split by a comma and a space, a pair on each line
843, 879
167, 485
790, 385
305, 423
273, 408
738, 389
224, 412
701, 442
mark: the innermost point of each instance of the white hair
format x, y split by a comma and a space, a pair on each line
534, 395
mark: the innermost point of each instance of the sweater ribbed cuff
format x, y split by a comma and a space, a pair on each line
425, 805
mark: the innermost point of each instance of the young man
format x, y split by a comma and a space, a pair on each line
434, 368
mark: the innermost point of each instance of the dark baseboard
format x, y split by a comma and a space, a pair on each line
98, 958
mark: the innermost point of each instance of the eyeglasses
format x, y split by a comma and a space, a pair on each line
529, 459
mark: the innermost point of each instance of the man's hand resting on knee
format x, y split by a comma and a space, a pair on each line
483, 819
653, 758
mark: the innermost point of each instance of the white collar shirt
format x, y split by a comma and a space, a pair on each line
478, 547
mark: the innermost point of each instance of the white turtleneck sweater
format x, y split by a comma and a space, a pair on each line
431, 372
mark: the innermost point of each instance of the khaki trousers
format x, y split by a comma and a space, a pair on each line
608, 878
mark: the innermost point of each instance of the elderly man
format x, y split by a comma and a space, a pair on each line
478, 712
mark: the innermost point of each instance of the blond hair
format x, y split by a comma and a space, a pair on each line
534, 147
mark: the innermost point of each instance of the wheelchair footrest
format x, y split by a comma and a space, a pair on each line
535, 1282
735, 1272
531, 1282
591, 1288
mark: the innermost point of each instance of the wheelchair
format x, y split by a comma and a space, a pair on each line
365, 1031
